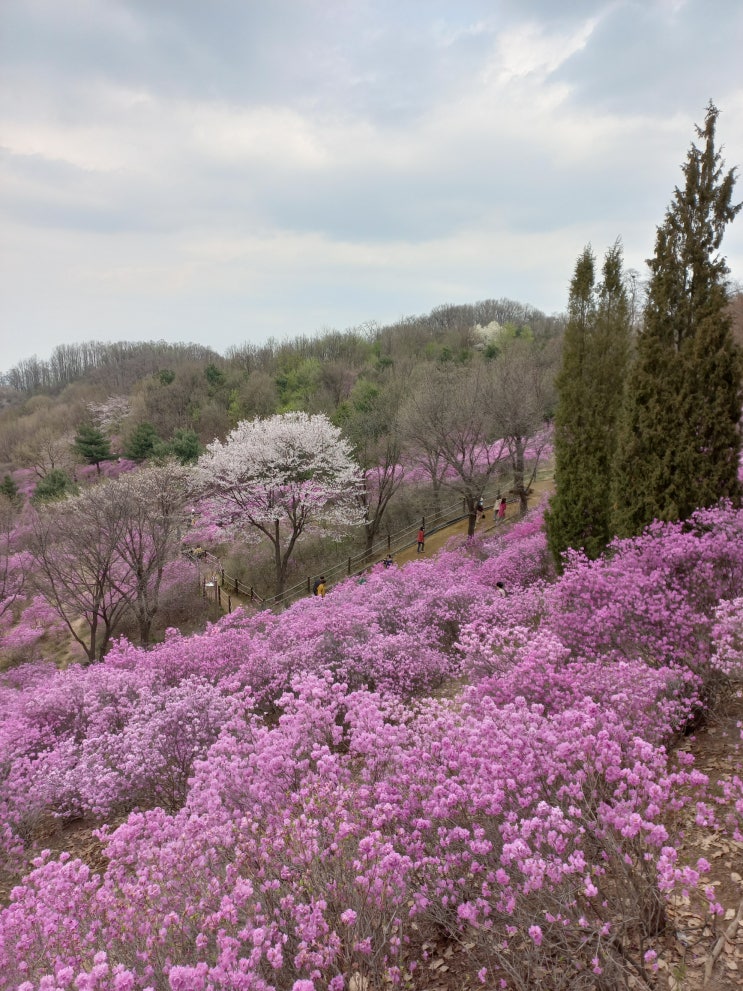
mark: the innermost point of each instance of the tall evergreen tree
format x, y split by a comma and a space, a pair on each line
679, 440
589, 384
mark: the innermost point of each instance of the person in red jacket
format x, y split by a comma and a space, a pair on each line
421, 541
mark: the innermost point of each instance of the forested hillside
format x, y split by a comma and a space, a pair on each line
115, 406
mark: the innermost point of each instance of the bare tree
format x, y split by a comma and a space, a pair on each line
12, 560
73, 548
523, 379
46, 451
449, 421
147, 510
102, 554
374, 431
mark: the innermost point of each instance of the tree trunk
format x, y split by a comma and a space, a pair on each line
145, 629
518, 476
472, 517
280, 565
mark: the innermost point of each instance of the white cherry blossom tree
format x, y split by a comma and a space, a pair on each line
280, 477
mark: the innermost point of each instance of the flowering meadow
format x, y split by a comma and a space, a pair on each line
311, 801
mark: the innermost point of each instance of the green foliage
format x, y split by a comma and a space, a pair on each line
298, 384
679, 442
516, 332
56, 484
92, 445
590, 382
8, 488
166, 376
185, 446
141, 445
214, 376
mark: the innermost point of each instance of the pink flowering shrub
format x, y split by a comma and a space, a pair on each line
326, 843
299, 811
653, 597
727, 635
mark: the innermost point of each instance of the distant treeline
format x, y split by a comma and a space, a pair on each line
119, 366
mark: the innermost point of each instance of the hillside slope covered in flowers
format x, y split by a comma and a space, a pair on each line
309, 800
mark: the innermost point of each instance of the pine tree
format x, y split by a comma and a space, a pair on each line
56, 484
9, 488
142, 443
92, 445
590, 382
679, 440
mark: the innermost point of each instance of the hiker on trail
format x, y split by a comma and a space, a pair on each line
388, 562
421, 541
480, 509
319, 587
502, 509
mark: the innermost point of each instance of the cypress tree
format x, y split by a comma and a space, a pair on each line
589, 387
679, 440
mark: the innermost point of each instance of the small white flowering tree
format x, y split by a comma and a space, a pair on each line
282, 476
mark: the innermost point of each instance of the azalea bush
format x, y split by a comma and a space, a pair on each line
311, 795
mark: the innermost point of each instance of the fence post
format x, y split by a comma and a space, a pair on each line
349, 565
229, 604
251, 593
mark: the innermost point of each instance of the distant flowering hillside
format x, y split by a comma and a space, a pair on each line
310, 800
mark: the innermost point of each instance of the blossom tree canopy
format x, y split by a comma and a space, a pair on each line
282, 475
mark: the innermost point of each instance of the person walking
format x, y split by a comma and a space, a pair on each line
502, 509
480, 509
388, 562
421, 541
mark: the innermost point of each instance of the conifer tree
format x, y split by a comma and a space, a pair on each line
679, 441
92, 445
589, 384
142, 443
9, 488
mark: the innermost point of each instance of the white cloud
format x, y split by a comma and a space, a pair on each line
176, 171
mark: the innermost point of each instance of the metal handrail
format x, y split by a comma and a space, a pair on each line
354, 565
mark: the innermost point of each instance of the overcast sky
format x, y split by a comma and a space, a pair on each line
223, 171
